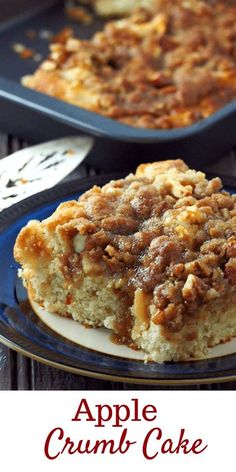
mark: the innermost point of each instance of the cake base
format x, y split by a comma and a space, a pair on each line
100, 339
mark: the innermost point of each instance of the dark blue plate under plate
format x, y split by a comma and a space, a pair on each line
22, 330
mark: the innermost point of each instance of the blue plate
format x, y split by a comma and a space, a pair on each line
23, 331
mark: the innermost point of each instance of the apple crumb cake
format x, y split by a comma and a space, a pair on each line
120, 7
161, 69
151, 257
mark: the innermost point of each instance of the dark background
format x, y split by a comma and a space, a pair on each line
10, 7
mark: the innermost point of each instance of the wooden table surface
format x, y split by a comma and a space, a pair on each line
20, 373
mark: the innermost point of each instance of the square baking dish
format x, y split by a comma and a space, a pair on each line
36, 117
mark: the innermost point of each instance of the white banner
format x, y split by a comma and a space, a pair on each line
111, 431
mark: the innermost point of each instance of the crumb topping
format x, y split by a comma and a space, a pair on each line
166, 234
165, 68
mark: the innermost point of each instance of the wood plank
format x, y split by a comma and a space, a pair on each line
5, 379
48, 378
23, 373
8, 369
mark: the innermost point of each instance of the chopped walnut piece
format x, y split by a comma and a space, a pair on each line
193, 288
215, 246
172, 317
127, 258
48, 66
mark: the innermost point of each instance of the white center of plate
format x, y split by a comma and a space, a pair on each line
99, 339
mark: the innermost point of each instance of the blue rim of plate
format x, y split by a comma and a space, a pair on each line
22, 330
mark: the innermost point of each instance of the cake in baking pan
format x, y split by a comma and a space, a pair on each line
160, 69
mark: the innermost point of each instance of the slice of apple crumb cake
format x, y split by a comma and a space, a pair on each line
151, 257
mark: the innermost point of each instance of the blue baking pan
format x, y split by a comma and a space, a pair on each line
37, 117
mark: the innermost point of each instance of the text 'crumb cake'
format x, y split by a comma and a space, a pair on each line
151, 257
